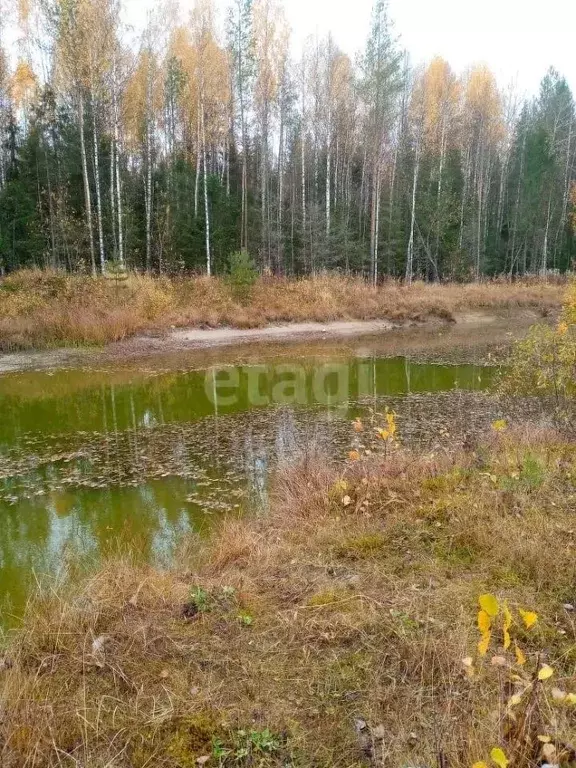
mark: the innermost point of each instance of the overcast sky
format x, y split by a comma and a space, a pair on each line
518, 39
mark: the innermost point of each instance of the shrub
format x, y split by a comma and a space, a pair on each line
545, 363
243, 274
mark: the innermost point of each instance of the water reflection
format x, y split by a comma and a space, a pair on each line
86, 466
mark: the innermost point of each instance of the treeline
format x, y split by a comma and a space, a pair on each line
195, 143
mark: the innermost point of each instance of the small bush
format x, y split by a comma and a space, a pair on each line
243, 275
545, 363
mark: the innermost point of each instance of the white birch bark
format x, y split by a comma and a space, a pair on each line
98, 191
206, 211
87, 196
410, 254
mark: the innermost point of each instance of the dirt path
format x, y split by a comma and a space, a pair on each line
182, 339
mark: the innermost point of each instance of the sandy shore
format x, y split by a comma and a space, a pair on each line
182, 339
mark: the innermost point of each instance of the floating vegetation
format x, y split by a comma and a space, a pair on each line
158, 469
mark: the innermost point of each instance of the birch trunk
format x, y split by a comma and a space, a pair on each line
148, 197
517, 207
244, 204
280, 187
87, 196
464, 197
198, 160
377, 226
206, 211
98, 192
544, 264
391, 210
328, 180
303, 181
113, 198
118, 184
439, 197
410, 254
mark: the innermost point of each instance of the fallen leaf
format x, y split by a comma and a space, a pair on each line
545, 672
489, 604
520, 656
499, 758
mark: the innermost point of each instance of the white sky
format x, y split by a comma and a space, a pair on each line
518, 39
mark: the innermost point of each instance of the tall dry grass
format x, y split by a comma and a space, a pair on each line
360, 616
43, 309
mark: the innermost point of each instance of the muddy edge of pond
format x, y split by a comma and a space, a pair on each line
476, 328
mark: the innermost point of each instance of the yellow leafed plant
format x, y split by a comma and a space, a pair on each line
545, 363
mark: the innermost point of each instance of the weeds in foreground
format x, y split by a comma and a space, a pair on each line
532, 713
359, 618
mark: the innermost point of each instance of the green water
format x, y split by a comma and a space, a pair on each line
94, 461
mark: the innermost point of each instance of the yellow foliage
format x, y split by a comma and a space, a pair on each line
489, 604
528, 617
499, 757
438, 94
143, 98
484, 622
271, 50
24, 83
484, 643
390, 432
520, 656
483, 103
545, 672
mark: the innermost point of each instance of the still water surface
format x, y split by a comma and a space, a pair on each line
91, 460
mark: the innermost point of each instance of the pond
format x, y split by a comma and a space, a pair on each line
92, 461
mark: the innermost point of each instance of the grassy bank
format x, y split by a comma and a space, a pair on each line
340, 631
47, 309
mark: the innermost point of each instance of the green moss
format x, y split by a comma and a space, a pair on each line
454, 553
446, 483
325, 598
359, 547
183, 740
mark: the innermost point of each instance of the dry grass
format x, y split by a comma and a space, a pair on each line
44, 309
338, 614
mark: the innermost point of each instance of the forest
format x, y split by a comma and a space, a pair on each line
173, 151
